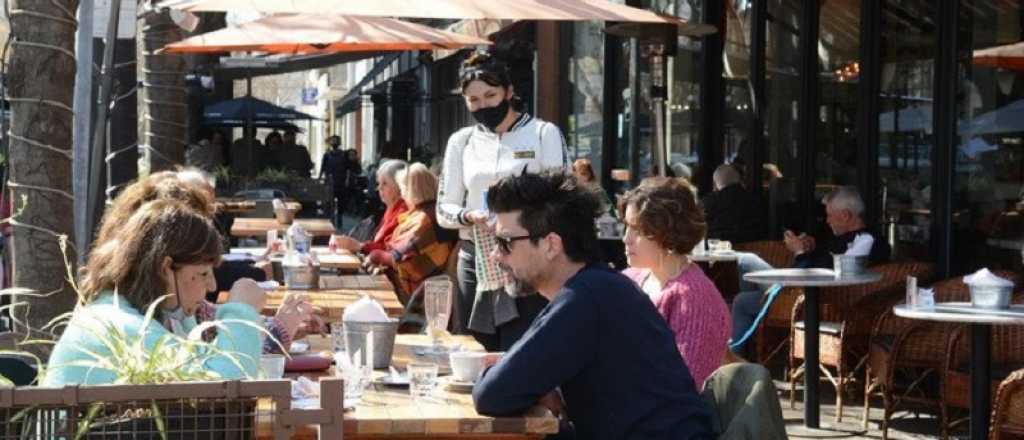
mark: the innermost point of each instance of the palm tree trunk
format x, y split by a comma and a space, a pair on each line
40, 79
163, 101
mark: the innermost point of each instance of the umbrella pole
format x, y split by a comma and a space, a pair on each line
102, 112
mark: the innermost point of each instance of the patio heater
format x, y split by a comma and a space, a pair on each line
656, 41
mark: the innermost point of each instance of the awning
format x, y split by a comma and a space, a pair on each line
557, 10
307, 33
1009, 56
350, 102
278, 64
237, 111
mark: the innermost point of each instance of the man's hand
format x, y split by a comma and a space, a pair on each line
553, 402
798, 244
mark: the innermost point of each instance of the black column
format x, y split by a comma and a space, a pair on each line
944, 152
807, 139
869, 87
758, 143
610, 96
712, 96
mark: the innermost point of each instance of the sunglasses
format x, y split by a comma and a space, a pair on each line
505, 243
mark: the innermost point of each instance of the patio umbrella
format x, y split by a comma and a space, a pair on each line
556, 10
1009, 56
302, 33
1006, 119
237, 111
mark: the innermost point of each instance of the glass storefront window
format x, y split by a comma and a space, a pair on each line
781, 174
989, 169
586, 81
906, 144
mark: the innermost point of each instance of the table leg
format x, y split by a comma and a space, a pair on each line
811, 370
981, 373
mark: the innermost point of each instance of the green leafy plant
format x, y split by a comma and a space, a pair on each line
171, 359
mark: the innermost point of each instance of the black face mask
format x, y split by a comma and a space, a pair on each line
491, 117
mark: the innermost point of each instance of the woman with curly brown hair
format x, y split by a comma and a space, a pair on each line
663, 224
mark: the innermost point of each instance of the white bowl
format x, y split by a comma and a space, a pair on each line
467, 365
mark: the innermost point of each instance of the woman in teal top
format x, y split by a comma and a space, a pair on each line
164, 248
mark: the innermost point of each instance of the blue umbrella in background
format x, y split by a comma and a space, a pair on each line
235, 112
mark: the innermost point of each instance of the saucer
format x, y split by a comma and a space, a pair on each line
457, 386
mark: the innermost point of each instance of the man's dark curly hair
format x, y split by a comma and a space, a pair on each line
552, 201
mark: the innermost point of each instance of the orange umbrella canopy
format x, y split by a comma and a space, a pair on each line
1010, 56
304, 33
558, 10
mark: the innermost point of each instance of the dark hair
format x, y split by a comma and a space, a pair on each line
666, 212
485, 67
552, 201
131, 260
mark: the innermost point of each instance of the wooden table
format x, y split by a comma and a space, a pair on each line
258, 227
390, 413
342, 260
981, 322
344, 290
235, 205
810, 280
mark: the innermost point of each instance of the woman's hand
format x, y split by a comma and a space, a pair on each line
381, 258
296, 312
477, 216
246, 291
343, 242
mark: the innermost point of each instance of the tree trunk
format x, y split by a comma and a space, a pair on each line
163, 100
41, 80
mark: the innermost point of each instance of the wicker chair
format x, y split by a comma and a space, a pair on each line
847, 316
904, 354
956, 377
773, 333
1008, 414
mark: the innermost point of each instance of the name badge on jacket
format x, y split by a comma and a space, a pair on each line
529, 154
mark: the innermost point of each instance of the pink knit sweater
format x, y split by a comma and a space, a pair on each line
697, 315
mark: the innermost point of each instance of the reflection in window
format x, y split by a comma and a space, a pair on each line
905, 125
989, 167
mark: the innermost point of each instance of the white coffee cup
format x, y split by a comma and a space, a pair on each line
272, 366
466, 365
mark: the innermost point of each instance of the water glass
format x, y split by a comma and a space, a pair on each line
437, 302
422, 380
338, 336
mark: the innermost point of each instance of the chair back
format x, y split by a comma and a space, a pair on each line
744, 403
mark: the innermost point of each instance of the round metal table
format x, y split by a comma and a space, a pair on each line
981, 322
810, 280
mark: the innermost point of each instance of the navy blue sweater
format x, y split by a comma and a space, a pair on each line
602, 341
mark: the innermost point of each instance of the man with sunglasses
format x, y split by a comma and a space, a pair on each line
600, 344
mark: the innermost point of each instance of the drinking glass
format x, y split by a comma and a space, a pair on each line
338, 336
437, 302
422, 379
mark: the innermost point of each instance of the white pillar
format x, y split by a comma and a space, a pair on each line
369, 155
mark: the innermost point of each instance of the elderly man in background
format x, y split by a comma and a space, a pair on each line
732, 212
844, 214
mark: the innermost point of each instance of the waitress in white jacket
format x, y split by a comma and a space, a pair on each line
503, 142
